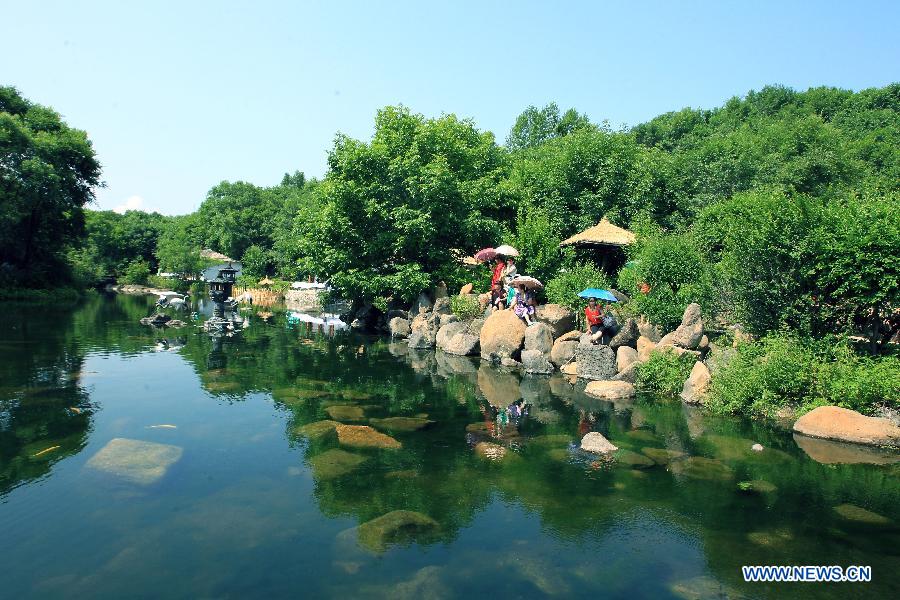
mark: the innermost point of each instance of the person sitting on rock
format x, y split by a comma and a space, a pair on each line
498, 297
523, 303
593, 315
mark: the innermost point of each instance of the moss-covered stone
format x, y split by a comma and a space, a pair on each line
363, 436
342, 412
699, 467
771, 538
401, 423
355, 395
633, 459
399, 527
335, 463
851, 512
756, 486
642, 435
319, 431
551, 440
662, 456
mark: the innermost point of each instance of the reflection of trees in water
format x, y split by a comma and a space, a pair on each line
45, 414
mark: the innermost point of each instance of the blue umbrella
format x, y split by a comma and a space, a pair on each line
598, 294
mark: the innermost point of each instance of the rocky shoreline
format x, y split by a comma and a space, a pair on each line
609, 370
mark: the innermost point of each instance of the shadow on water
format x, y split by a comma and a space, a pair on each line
431, 474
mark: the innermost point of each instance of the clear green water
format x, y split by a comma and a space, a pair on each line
252, 509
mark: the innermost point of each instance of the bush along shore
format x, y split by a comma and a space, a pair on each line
819, 392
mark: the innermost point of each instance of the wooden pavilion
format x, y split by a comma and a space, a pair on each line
606, 243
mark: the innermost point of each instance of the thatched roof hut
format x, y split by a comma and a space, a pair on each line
603, 233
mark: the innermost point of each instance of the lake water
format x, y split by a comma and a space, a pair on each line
234, 499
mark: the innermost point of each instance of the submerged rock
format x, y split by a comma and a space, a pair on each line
491, 451
594, 441
135, 461
662, 456
400, 527
319, 431
343, 412
704, 588
633, 459
699, 467
771, 538
363, 436
851, 512
401, 423
335, 463
841, 424
757, 486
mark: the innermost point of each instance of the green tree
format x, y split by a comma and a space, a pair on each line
178, 248
47, 174
394, 210
535, 126
237, 215
256, 262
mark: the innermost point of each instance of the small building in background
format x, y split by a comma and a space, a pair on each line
604, 243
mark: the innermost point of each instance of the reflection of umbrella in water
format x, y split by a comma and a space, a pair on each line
506, 250
485, 254
598, 294
529, 283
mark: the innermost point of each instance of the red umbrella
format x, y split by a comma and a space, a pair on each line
485, 255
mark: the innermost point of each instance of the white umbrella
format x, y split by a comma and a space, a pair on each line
506, 250
529, 283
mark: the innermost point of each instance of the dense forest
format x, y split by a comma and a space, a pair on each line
778, 211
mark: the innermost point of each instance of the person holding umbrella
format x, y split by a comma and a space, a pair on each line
593, 316
524, 299
599, 319
499, 269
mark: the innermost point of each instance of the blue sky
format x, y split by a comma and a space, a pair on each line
178, 96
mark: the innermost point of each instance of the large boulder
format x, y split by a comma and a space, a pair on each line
595, 361
649, 330
628, 374
423, 331
502, 336
690, 332
442, 305
466, 289
595, 442
536, 361
399, 327
570, 336
625, 356
462, 344
446, 319
539, 337
559, 318
609, 390
644, 347
563, 351
627, 335
475, 326
836, 423
422, 304
446, 333
697, 384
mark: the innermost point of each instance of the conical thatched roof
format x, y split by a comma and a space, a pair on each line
207, 253
603, 233
265, 282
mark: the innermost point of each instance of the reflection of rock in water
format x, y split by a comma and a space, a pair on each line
830, 452
451, 364
398, 348
499, 388
421, 361
535, 391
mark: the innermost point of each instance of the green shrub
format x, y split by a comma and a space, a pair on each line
665, 372
783, 371
563, 289
169, 283
465, 307
136, 273
675, 272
